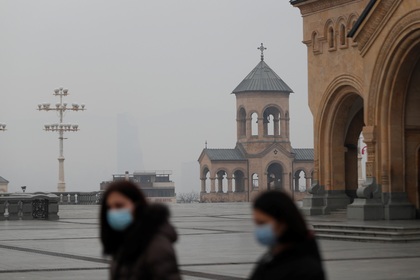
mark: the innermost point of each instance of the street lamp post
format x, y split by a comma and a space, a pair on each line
61, 127
2, 127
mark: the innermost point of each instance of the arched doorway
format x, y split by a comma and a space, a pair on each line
238, 177
299, 181
205, 180
339, 129
347, 126
274, 177
412, 136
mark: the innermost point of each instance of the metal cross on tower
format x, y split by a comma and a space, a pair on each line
262, 48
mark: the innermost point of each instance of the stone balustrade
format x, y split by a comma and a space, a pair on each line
25, 206
83, 198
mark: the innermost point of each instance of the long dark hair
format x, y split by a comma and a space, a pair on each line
282, 208
113, 240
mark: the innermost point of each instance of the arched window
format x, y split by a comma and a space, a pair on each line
238, 181
242, 122
315, 46
343, 39
221, 181
271, 121
331, 39
300, 181
206, 178
255, 182
254, 120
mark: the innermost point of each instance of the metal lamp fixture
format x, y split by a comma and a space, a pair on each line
61, 108
2, 127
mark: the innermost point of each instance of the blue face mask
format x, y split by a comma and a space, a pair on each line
119, 219
265, 235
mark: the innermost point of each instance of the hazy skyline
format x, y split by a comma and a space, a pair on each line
171, 65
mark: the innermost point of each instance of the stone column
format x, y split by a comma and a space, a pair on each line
212, 185
220, 184
286, 184
203, 185
276, 127
308, 183
260, 127
230, 189
296, 183
283, 127
248, 125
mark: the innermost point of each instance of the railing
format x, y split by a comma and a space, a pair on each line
83, 198
28, 206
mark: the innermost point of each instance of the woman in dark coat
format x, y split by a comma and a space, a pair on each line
292, 249
137, 235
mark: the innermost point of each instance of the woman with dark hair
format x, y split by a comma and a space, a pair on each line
292, 249
137, 235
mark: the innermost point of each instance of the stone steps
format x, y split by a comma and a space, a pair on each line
367, 233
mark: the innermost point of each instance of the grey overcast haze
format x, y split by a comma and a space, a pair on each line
156, 78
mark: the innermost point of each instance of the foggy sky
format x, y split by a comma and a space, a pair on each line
169, 65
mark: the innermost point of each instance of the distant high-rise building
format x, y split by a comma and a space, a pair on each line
129, 155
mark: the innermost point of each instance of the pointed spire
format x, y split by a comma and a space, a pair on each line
262, 48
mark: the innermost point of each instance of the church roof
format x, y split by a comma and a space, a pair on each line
262, 78
304, 154
224, 154
4, 181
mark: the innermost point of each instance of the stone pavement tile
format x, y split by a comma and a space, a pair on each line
94, 274
215, 239
332, 249
395, 269
218, 248
79, 247
17, 260
238, 270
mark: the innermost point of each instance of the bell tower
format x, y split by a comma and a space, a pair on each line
262, 106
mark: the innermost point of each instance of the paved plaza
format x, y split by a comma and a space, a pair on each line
216, 242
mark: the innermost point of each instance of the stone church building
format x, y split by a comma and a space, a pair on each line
263, 157
364, 77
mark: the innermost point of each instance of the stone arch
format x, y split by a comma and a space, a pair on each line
254, 123
341, 120
397, 60
341, 28
315, 41
241, 122
275, 176
221, 180
238, 180
329, 34
299, 179
418, 175
351, 21
205, 179
271, 120
255, 180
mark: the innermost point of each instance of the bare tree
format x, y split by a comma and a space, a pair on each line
189, 197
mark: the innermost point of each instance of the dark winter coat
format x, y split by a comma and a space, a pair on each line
298, 262
156, 262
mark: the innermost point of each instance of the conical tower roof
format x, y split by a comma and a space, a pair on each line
262, 78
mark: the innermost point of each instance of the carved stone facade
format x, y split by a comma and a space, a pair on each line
263, 157
364, 78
